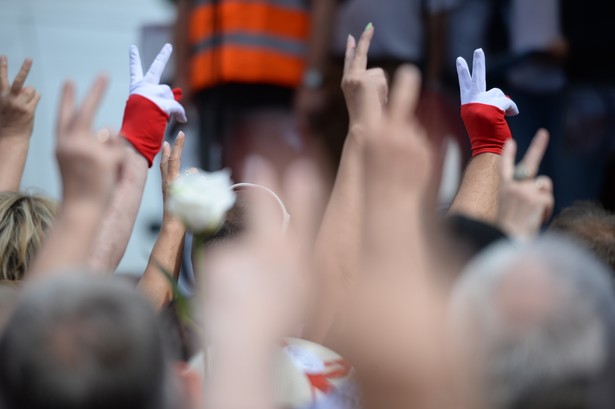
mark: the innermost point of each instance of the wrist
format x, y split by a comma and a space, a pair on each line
15, 140
172, 226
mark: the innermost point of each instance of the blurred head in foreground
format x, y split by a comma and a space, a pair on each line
536, 323
83, 342
24, 220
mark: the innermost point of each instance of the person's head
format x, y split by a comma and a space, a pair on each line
83, 342
593, 225
24, 220
257, 213
536, 325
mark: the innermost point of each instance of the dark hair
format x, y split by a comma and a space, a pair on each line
83, 342
591, 224
234, 225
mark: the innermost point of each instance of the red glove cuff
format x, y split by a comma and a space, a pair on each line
486, 126
145, 123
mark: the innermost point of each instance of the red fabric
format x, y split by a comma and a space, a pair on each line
144, 124
486, 126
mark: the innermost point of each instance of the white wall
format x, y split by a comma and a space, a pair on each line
77, 39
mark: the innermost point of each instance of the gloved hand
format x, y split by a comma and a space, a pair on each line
150, 105
483, 112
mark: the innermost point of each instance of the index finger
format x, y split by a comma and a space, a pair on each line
507, 168
463, 73
479, 75
405, 92
351, 46
20, 79
4, 73
136, 68
65, 112
176, 155
360, 58
85, 115
154, 73
536, 151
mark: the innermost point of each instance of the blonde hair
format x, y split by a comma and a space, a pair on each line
24, 221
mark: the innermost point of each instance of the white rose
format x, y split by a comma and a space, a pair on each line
201, 200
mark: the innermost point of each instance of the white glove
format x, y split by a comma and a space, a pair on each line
473, 88
149, 85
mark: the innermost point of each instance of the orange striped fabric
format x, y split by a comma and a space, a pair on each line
248, 41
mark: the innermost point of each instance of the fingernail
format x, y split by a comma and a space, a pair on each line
369, 26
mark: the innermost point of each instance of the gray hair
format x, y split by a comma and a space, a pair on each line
83, 342
538, 320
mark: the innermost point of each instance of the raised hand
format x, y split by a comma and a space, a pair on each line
17, 103
397, 148
526, 201
150, 105
365, 90
483, 112
89, 165
168, 249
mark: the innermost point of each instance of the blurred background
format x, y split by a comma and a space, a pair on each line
263, 76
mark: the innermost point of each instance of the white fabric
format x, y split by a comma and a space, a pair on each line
149, 86
399, 26
473, 88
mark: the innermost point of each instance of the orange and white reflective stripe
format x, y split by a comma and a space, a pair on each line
248, 41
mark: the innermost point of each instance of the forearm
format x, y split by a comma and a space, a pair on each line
69, 241
165, 258
478, 194
13, 154
337, 244
120, 218
323, 12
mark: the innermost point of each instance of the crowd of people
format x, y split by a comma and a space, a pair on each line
367, 296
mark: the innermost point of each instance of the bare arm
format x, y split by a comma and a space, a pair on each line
17, 107
478, 194
168, 249
113, 236
337, 245
398, 302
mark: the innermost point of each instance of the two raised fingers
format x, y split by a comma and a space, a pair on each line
405, 93
69, 117
536, 151
154, 73
477, 80
20, 79
356, 54
531, 160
